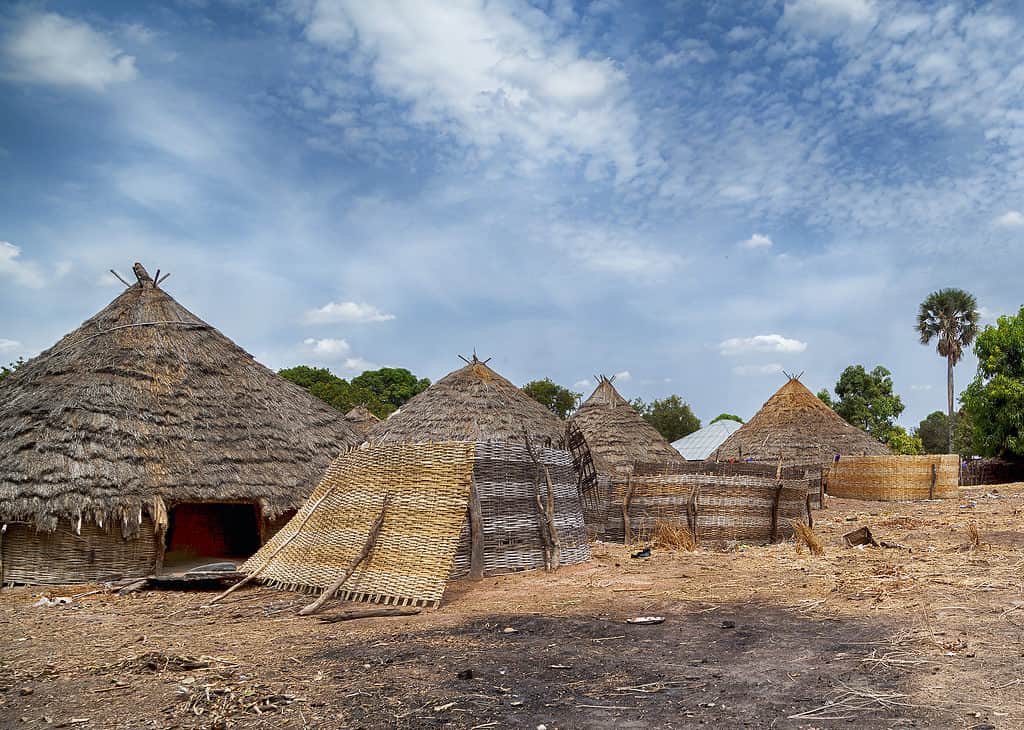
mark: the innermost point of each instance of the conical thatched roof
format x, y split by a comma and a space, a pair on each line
617, 435
146, 400
796, 425
473, 403
361, 420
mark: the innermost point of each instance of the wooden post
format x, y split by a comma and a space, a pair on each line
556, 545
627, 537
931, 489
775, 512
810, 516
476, 536
371, 540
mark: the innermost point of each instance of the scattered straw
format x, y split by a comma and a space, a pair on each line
805, 537
973, 536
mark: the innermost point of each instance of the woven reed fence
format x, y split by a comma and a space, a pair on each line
92, 555
894, 478
978, 472
507, 483
718, 509
811, 472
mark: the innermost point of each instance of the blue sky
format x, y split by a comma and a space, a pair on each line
694, 195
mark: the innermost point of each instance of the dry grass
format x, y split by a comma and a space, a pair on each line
805, 537
673, 536
973, 537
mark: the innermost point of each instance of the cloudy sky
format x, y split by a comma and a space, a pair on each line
697, 196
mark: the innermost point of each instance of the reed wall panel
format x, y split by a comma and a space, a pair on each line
895, 478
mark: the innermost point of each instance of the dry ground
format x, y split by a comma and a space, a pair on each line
931, 636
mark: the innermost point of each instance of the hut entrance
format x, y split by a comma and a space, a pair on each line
203, 532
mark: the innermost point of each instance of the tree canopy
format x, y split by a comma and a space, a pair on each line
934, 433
559, 400
9, 368
902, 442
381, 391
994, 401
671, 417
866, 400
727, 417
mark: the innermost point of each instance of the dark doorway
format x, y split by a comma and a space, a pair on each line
205, 532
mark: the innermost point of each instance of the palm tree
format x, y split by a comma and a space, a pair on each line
951, 317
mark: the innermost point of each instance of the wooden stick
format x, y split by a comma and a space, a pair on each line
272, 555
626, 536
556, 546
476, 536
371, 540
368, 613
119, 278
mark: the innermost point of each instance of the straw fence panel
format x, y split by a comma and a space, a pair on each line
508, 483
811, 472
62, 556
429, 486
979, 472
726, 509
894, 478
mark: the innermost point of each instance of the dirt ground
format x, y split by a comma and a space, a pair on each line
929, 635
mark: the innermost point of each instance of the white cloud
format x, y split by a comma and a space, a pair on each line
358, 364
741, 33
585, 383
689, 51
333, 312
51, 49
1010, 219
919, 386
22, 272
752, 370
829, 17
327, 347
614, 251
758, 240
761, 343
488, 72
8, 345
623, 377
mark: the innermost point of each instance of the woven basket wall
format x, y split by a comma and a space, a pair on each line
508, 483
810, 472
729, 509
62, 556
894, 478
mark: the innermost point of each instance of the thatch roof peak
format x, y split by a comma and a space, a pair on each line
799, 427
618, 436
361, 419
147, 400
473, 403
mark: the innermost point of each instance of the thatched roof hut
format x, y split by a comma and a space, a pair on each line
797, 426
618, 436
143, 409
361, 420
473, 403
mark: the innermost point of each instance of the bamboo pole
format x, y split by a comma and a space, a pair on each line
371, 540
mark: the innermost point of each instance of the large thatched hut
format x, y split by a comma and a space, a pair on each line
796, 426
361, 420
147, 435
521, 455
618, 436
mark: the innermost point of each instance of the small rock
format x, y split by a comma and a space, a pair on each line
509, 630
465, 674
728, 624
26, 691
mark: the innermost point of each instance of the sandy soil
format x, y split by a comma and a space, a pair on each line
929, 636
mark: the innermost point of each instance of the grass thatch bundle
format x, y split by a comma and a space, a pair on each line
361, 420
805, 537
145, 401
473, 403
618, 436
672, 535
796, 426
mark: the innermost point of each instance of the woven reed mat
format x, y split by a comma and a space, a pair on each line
412, 557
895, 478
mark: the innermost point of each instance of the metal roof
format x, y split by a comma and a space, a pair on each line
701, 444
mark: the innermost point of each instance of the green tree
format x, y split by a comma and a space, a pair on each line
934, 433
9, 368
902, 442
949, 316
336, 392
866, 400
825, 397
994, 401
560, 401
391, 386
671, 417
727, 417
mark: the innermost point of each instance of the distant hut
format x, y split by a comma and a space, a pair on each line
618, 437
703, 443
147, 435
796, 426
476, 404
361, 420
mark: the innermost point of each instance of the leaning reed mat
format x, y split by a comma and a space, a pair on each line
429, 486
728, 509
92, 555
508, 483
895, 478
